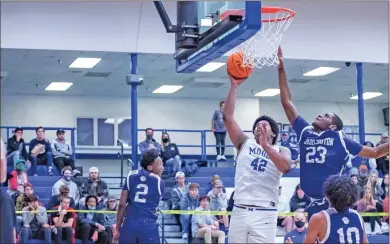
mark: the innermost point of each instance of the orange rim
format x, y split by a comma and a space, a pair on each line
274, 10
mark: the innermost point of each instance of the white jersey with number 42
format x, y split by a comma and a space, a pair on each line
257, 179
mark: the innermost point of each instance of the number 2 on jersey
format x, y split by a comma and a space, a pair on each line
143, 192
259, 165
316, 155
349, 235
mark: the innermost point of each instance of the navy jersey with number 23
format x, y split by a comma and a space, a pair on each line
321, 155
145, 192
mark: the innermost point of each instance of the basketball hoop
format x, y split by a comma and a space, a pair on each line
261, 49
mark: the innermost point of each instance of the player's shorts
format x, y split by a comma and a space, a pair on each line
316, 206
253, 225
143, 230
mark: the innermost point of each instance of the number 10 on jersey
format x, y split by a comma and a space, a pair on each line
259, 165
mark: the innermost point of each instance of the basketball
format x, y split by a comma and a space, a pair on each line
235, 66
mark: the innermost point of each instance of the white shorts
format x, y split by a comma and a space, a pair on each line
252, 225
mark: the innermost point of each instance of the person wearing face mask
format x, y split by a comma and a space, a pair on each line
299, 199
66, 180
149, 143
56, 199
90, 224
298, 234
170, 155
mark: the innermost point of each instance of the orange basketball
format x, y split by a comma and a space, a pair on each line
235, 66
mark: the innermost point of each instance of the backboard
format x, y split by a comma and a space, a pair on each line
223, 25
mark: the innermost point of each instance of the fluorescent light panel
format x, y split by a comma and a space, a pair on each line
59, 86
84, 63
210, 67
321, 71
268, 93
368, 95
167, 89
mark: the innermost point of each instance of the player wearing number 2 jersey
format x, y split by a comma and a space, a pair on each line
140, 198
340, 223
260, 164
324, 149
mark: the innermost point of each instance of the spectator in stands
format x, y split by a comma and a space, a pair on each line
210, 185
299, 199
35, 225
18, 180
40, 152
386, 208
219, 129
91, 225
149, 143
383, 162
188, 202
16, 149
56, 199
287, 222
7, 208
170, 155
385, 186
21, 201
218, 202
286, 142
363, 174
110, 218
356, 161
354, 179
94, 186
178, 192
66, 180
64, 222
204, 226
298, 234
373, 183
368, 204
63, 153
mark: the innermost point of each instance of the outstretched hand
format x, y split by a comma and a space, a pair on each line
263, 136
235, 81
280, 57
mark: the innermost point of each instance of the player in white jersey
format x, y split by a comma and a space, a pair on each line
260, 164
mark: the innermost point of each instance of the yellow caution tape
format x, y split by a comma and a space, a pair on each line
193, 212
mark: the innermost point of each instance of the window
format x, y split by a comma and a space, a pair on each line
105, 132
84, 132
124, 131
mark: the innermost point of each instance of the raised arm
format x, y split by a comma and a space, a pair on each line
285, 93
236, 135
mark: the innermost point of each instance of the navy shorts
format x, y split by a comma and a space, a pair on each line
316, 206
143, 230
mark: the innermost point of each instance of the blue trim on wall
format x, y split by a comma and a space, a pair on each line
126, 156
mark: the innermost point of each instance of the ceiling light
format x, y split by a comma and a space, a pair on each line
59, 86
84, 63
368, 95
268, 93
112, 121
321, 71
210, 67
167, 89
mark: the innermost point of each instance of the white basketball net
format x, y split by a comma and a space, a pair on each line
261, 50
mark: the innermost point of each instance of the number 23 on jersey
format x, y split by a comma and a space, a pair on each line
316, 154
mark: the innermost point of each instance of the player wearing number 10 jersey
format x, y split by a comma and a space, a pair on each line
260, 164
340, 223
324, 148
140, 198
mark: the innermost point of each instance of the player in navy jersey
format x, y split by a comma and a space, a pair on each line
324, 148
139, 201
340, 223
